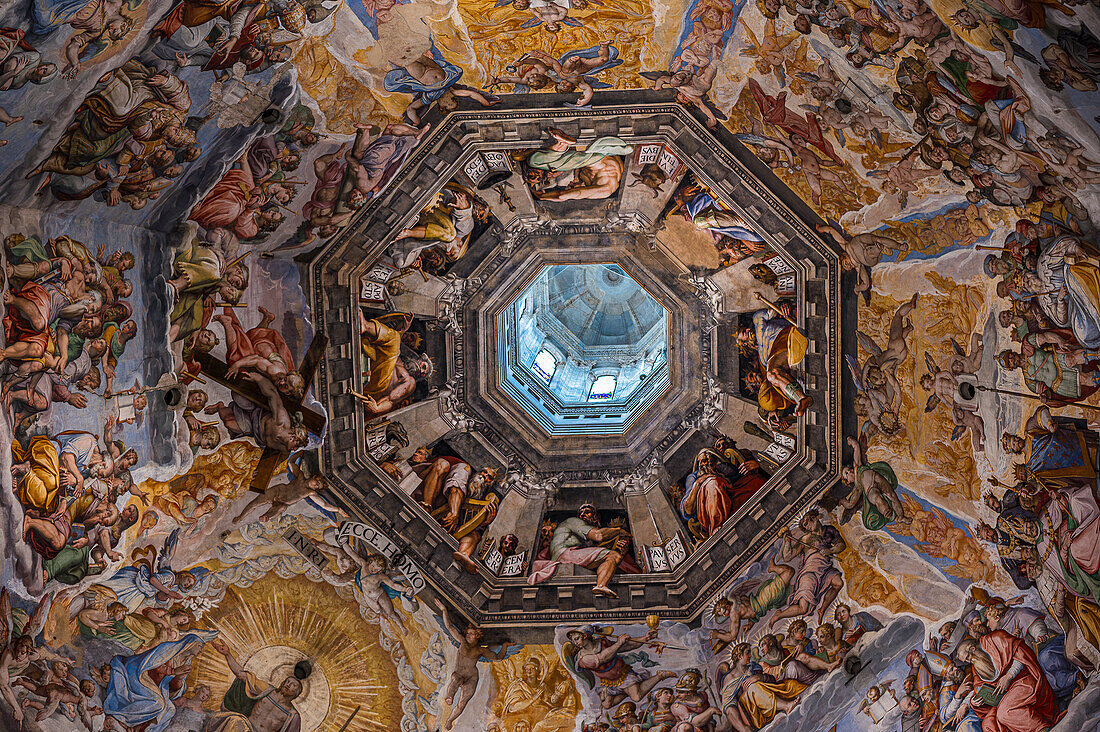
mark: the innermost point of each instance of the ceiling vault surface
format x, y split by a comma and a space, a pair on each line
550, 365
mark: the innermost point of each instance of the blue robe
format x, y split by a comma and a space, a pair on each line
1055, 451
134, 588
702, 202
130, 699
400, 80
613, 60
49, 15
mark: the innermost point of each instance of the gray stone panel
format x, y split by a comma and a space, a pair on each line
738, 179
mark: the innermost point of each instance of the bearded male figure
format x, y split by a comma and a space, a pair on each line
1010, 692
582, 541
251, 705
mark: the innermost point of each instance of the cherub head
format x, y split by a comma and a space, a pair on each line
185, 580
473, 635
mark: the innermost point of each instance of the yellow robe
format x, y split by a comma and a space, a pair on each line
383, 352
759, 699
1087, 616
39, 487
142, 627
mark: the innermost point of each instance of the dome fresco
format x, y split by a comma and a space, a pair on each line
550, 365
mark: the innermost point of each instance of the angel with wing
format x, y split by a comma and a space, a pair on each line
303, 483
879, 398
692, 81
151, 581
525, 74
19, 633
550, 14
770, 53
776, 153
880, 698
825, 83
464, 673
944, 386
128, 406
572, 71
379, 587
902, 175
967, 363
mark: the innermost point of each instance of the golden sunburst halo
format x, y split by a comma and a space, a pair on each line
277, 621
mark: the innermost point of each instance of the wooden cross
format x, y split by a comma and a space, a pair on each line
312, 420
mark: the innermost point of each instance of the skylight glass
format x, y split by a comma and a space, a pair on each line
545, 365
603, 389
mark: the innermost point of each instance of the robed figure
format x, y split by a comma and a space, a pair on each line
253, 705
1011, 694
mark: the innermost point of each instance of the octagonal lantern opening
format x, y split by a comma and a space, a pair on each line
583, 349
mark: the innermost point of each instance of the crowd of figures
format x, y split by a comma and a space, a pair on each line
163, 161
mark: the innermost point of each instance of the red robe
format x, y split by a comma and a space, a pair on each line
18, 329
774, 110
226, 205
1029, 704
193, 13
225, 58
713, 501
246, 342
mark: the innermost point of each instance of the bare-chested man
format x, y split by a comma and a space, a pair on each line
464, 675
596, 172
258, 707
877, 484
373, 579
280, 496
595, 181
322, 211
371, 163
692, 84
268, 424
431, 78
862, 252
